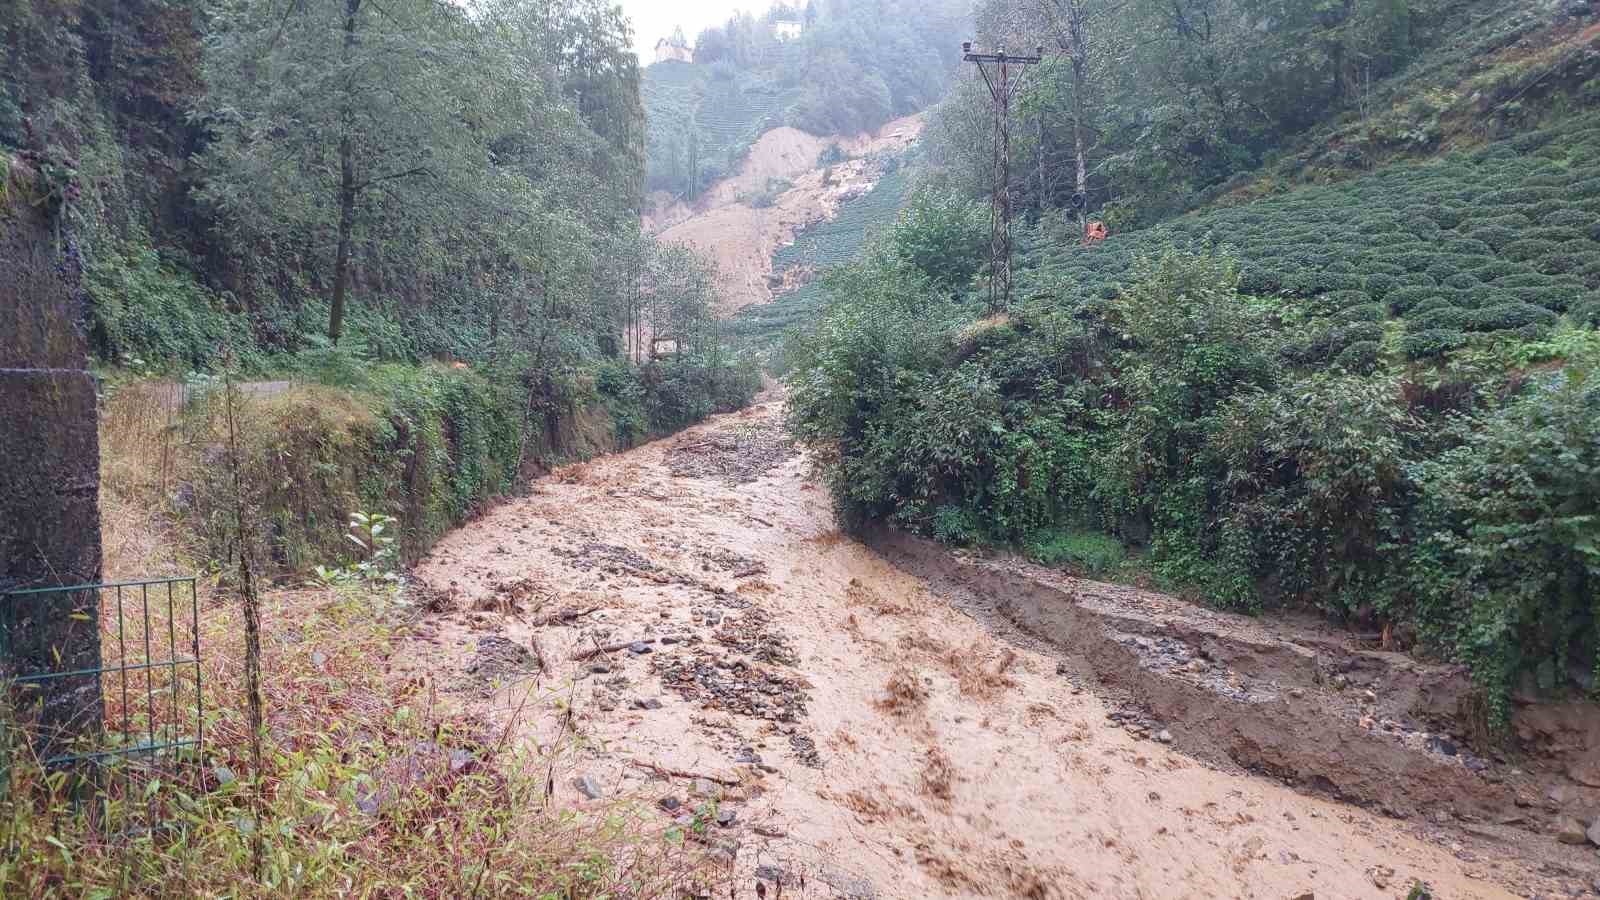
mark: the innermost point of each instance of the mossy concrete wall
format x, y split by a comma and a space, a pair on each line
49, 470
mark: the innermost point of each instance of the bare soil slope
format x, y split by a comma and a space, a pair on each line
823, 720
741, 238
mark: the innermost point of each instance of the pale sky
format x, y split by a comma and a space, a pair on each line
654, 19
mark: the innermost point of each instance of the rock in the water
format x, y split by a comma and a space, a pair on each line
1165, 736
1571, 831
588, 787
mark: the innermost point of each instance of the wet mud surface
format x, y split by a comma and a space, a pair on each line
843, 720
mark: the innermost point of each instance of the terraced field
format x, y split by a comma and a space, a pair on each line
1505, 238
827, 245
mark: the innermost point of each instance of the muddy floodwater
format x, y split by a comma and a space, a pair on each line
846, 727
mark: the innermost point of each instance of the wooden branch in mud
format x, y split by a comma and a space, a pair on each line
538, 654
564, 616
665, 772
592, 652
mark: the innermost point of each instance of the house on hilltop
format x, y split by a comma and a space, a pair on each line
675, 48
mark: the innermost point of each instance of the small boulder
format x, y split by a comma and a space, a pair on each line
726, 817
1571, 831
640, 648
669, 803
1165, 736
1594, 832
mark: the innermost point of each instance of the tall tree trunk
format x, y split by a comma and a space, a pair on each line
1074, 39
347, 189
1079, 80
347, 212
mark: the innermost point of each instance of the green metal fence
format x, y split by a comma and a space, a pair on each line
136, 716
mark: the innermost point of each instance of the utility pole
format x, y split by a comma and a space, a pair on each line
996, 70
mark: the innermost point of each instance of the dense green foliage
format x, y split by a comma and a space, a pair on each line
1257, 448
1178, 102
431, 444
855, 65
463, 181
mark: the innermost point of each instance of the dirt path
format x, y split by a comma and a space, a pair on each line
875, 741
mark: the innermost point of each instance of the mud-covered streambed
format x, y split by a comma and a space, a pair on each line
856, 722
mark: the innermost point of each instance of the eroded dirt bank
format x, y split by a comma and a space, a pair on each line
847, 728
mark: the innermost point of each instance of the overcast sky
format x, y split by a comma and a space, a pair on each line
654, 19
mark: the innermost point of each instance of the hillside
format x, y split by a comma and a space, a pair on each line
849, 68
1337, 354
1503, 239
790, 186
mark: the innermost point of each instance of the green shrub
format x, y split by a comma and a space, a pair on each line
1450, 318
1366, 312
1431, 344
142, 307
1083, 552
1508, 317
1360, 358
1508, 566
1406, 299
1528, 249
1378, 285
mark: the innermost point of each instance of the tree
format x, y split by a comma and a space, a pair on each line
349, 121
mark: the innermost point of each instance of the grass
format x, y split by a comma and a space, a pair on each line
359, 796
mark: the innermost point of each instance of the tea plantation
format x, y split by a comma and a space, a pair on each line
823, 247
1505, 238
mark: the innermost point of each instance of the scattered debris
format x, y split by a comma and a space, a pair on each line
737, 456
